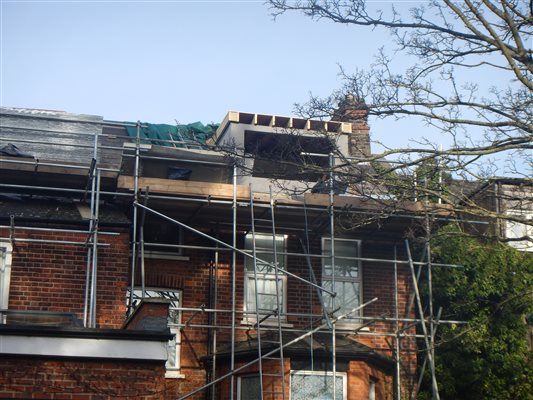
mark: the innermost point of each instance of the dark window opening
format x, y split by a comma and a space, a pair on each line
161, 237
280, 155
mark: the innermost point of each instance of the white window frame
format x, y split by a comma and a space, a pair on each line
372, 382
527, 230
354, 318
249, 315
342, 375
6, 251
174, 345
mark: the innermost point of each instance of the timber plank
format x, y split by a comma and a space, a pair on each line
188, 188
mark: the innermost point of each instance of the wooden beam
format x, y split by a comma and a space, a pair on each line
186, 188
369, 204
17, 165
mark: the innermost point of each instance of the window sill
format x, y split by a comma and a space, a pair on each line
165, 256
351, 326
174, 375
268, 323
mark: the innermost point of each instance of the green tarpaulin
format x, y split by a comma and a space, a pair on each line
191, 135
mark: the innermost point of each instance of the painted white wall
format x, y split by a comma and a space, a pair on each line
83, 347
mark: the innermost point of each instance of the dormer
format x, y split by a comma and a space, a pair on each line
291, 149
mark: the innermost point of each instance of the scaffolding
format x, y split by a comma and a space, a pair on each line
266, 320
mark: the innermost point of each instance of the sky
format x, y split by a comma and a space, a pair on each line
161, 61
182, 61
167, 61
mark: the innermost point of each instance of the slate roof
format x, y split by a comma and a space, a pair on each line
43, 209
320, 343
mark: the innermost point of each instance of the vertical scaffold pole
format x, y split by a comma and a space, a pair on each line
135, 202
141, 244
257, 314
397, 325
430, 299
233, 278
94, 164
424, 363
332, 239
434, 384
94, 277
279, 304
215, 321
89, 259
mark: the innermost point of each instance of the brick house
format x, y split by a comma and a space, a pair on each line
509, 205
135, 264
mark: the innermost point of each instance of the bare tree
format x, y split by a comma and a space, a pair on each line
456, 47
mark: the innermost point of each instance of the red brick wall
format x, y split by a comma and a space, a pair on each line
193, 278
271, 384
51, 276
359, 376
81, 380
378, 281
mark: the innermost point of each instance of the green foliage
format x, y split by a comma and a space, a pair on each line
431, 179
427, 182
489, 358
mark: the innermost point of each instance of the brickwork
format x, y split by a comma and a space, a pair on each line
81, 380
191, 276
378, 281
360, 375
272, 385
51, 276
356, 112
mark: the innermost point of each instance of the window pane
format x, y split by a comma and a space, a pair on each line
372, 390
172, 349
267, 293
343, 268
250, 388
4, 284
264, 247
347, 297
516, 229
266, 280
315, 387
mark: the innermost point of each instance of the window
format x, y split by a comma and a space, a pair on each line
277, 155
161, 239
266, 274
317, 385
345, 278
372, 389
248, 387
515, 230
173, 361
5, 276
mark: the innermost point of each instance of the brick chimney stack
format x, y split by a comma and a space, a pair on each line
352, 109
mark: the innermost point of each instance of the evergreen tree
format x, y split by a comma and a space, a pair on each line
489, 357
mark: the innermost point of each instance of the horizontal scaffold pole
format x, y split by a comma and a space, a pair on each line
190, 228
285, 345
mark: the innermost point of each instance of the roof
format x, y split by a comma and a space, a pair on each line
44, 208
281, 122
178, 135
319, 343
